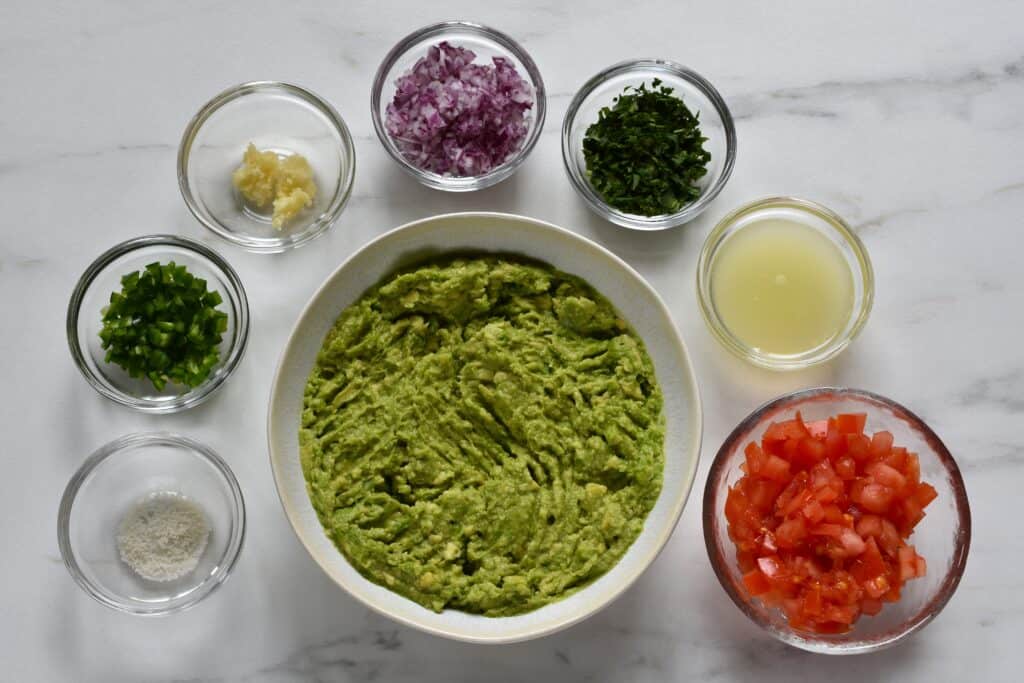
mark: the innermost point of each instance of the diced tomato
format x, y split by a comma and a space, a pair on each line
755, 459
851, 423
869, 525
889, 541
805, 567
846, 468
852, 544
842, 615
735, 504
831, 530
756, 583
887, 476
793, 607
809, 452
912, 469
826, 494
897, 458
813, 604
797, 502
741, 536
822, 475
856, 488
858, 447
870, 606
788, 449
875, 498
762, 494
770, 567
908, 563
784, 431
835, 441
793, 488
877, 587
925, 494
791, 532
776, 469
817, 429
912, 514
834, 515
870, 564
768, 542
881, 445
814, 512
831, 627
746, 560
820, 520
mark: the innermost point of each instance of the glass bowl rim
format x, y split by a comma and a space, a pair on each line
195, 395
587, 193
865, 274
460, 183
825, 645
226, 562
345, 181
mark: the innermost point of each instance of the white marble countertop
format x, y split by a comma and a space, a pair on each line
905, 120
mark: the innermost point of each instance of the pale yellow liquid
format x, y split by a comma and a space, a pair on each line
781, 287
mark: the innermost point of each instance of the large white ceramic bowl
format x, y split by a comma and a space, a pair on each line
490, 232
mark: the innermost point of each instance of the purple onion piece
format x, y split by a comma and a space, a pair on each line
453, 117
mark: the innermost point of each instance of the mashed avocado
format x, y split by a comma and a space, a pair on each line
483, 434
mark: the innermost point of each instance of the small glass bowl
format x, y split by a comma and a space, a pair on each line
92, 294
280, 117
830, 225
486, 43
119, 475
942, 538
699, 96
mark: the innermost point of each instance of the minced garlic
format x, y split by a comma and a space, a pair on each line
264, 179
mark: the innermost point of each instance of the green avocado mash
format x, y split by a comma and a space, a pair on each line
483, 434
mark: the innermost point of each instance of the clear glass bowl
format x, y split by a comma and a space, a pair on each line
115, 478
273, 116
828, 224
92, 294
486, 43
943, 537
699, 96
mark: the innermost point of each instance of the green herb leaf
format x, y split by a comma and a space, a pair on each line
645, 154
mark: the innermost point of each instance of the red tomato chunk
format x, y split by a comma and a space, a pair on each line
821, 518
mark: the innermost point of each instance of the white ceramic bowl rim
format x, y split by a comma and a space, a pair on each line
683, 438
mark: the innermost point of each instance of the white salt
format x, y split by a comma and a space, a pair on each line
163, 536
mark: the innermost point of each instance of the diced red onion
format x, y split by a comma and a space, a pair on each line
452, 117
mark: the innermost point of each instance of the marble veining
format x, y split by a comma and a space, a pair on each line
903, 117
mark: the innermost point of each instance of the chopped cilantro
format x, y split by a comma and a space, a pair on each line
646, 153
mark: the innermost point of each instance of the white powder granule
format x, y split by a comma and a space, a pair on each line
163, 536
